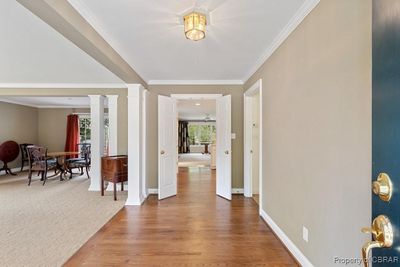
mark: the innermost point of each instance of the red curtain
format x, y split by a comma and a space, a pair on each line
72, 139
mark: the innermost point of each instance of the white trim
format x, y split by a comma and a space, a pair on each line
295, 21
135, 137
248, 187
195, 82
152, 191
295, 251
97, 140
61, 106
196, 96
63, 86
37, 106
237, 191
144, 142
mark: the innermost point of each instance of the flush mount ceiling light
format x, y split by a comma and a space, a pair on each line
195, 26
197, 104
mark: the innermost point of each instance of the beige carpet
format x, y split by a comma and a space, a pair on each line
45, 225
194, 160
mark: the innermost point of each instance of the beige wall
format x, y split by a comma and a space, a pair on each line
20, 124
52, 127
317, 131
122, 105
237, 125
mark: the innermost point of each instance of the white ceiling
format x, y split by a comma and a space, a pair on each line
188, 110
49, 102
149, 35
33, 52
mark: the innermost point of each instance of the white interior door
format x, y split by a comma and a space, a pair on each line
224, 151
167, 153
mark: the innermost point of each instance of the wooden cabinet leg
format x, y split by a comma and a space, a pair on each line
115, 191
102, 186
122, 186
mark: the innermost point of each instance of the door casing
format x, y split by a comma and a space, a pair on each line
255, 89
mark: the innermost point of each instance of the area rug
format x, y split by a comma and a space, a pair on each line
194, 160
45, 225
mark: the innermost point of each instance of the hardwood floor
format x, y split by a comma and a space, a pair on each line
195, 228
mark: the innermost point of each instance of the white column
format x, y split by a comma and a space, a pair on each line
97, 140
113, 132
135, 118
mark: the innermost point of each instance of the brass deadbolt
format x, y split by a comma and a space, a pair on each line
383, 187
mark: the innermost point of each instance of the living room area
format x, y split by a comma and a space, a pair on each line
36, 214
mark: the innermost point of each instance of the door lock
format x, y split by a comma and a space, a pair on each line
227, 152
162, 152
382, 232
383, 187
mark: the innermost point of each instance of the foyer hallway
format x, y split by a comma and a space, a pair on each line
195, 228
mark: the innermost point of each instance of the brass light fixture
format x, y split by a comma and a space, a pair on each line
195, 26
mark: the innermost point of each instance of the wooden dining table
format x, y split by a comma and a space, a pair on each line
60, 157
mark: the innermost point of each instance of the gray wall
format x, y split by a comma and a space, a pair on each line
19, 124
237, 125
122, 105
317, 131
52, 130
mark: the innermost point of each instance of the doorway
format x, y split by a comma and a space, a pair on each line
196, 133
190, 143
253, 143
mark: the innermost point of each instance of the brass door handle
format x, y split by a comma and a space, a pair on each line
383, 187
382, 232
162, 152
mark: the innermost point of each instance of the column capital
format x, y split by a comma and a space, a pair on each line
135, 89
112, 96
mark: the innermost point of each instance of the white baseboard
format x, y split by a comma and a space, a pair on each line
300, 257
154, 191
237, 191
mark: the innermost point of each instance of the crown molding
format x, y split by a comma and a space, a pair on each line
63, 86
20, 103
195, 82
293, 23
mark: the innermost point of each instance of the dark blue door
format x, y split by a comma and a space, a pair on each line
386, 119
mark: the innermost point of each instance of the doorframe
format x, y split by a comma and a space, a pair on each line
256, 88
194, 97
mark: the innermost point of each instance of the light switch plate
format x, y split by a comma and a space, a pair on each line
233, 136
305, 234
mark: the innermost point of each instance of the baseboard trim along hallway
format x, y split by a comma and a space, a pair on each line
294, 250
235, 191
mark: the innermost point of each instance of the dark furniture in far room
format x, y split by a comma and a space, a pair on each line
114, 169
84, 160
39, 161
9, 152
24, 154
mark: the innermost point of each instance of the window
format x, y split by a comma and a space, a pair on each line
85, 128
201, 133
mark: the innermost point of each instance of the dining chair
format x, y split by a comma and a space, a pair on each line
24, 154
84, 161
38, 161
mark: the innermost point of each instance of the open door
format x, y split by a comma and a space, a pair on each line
224, 155
385, 227
167, 152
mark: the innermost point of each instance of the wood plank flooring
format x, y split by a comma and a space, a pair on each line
195, 228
